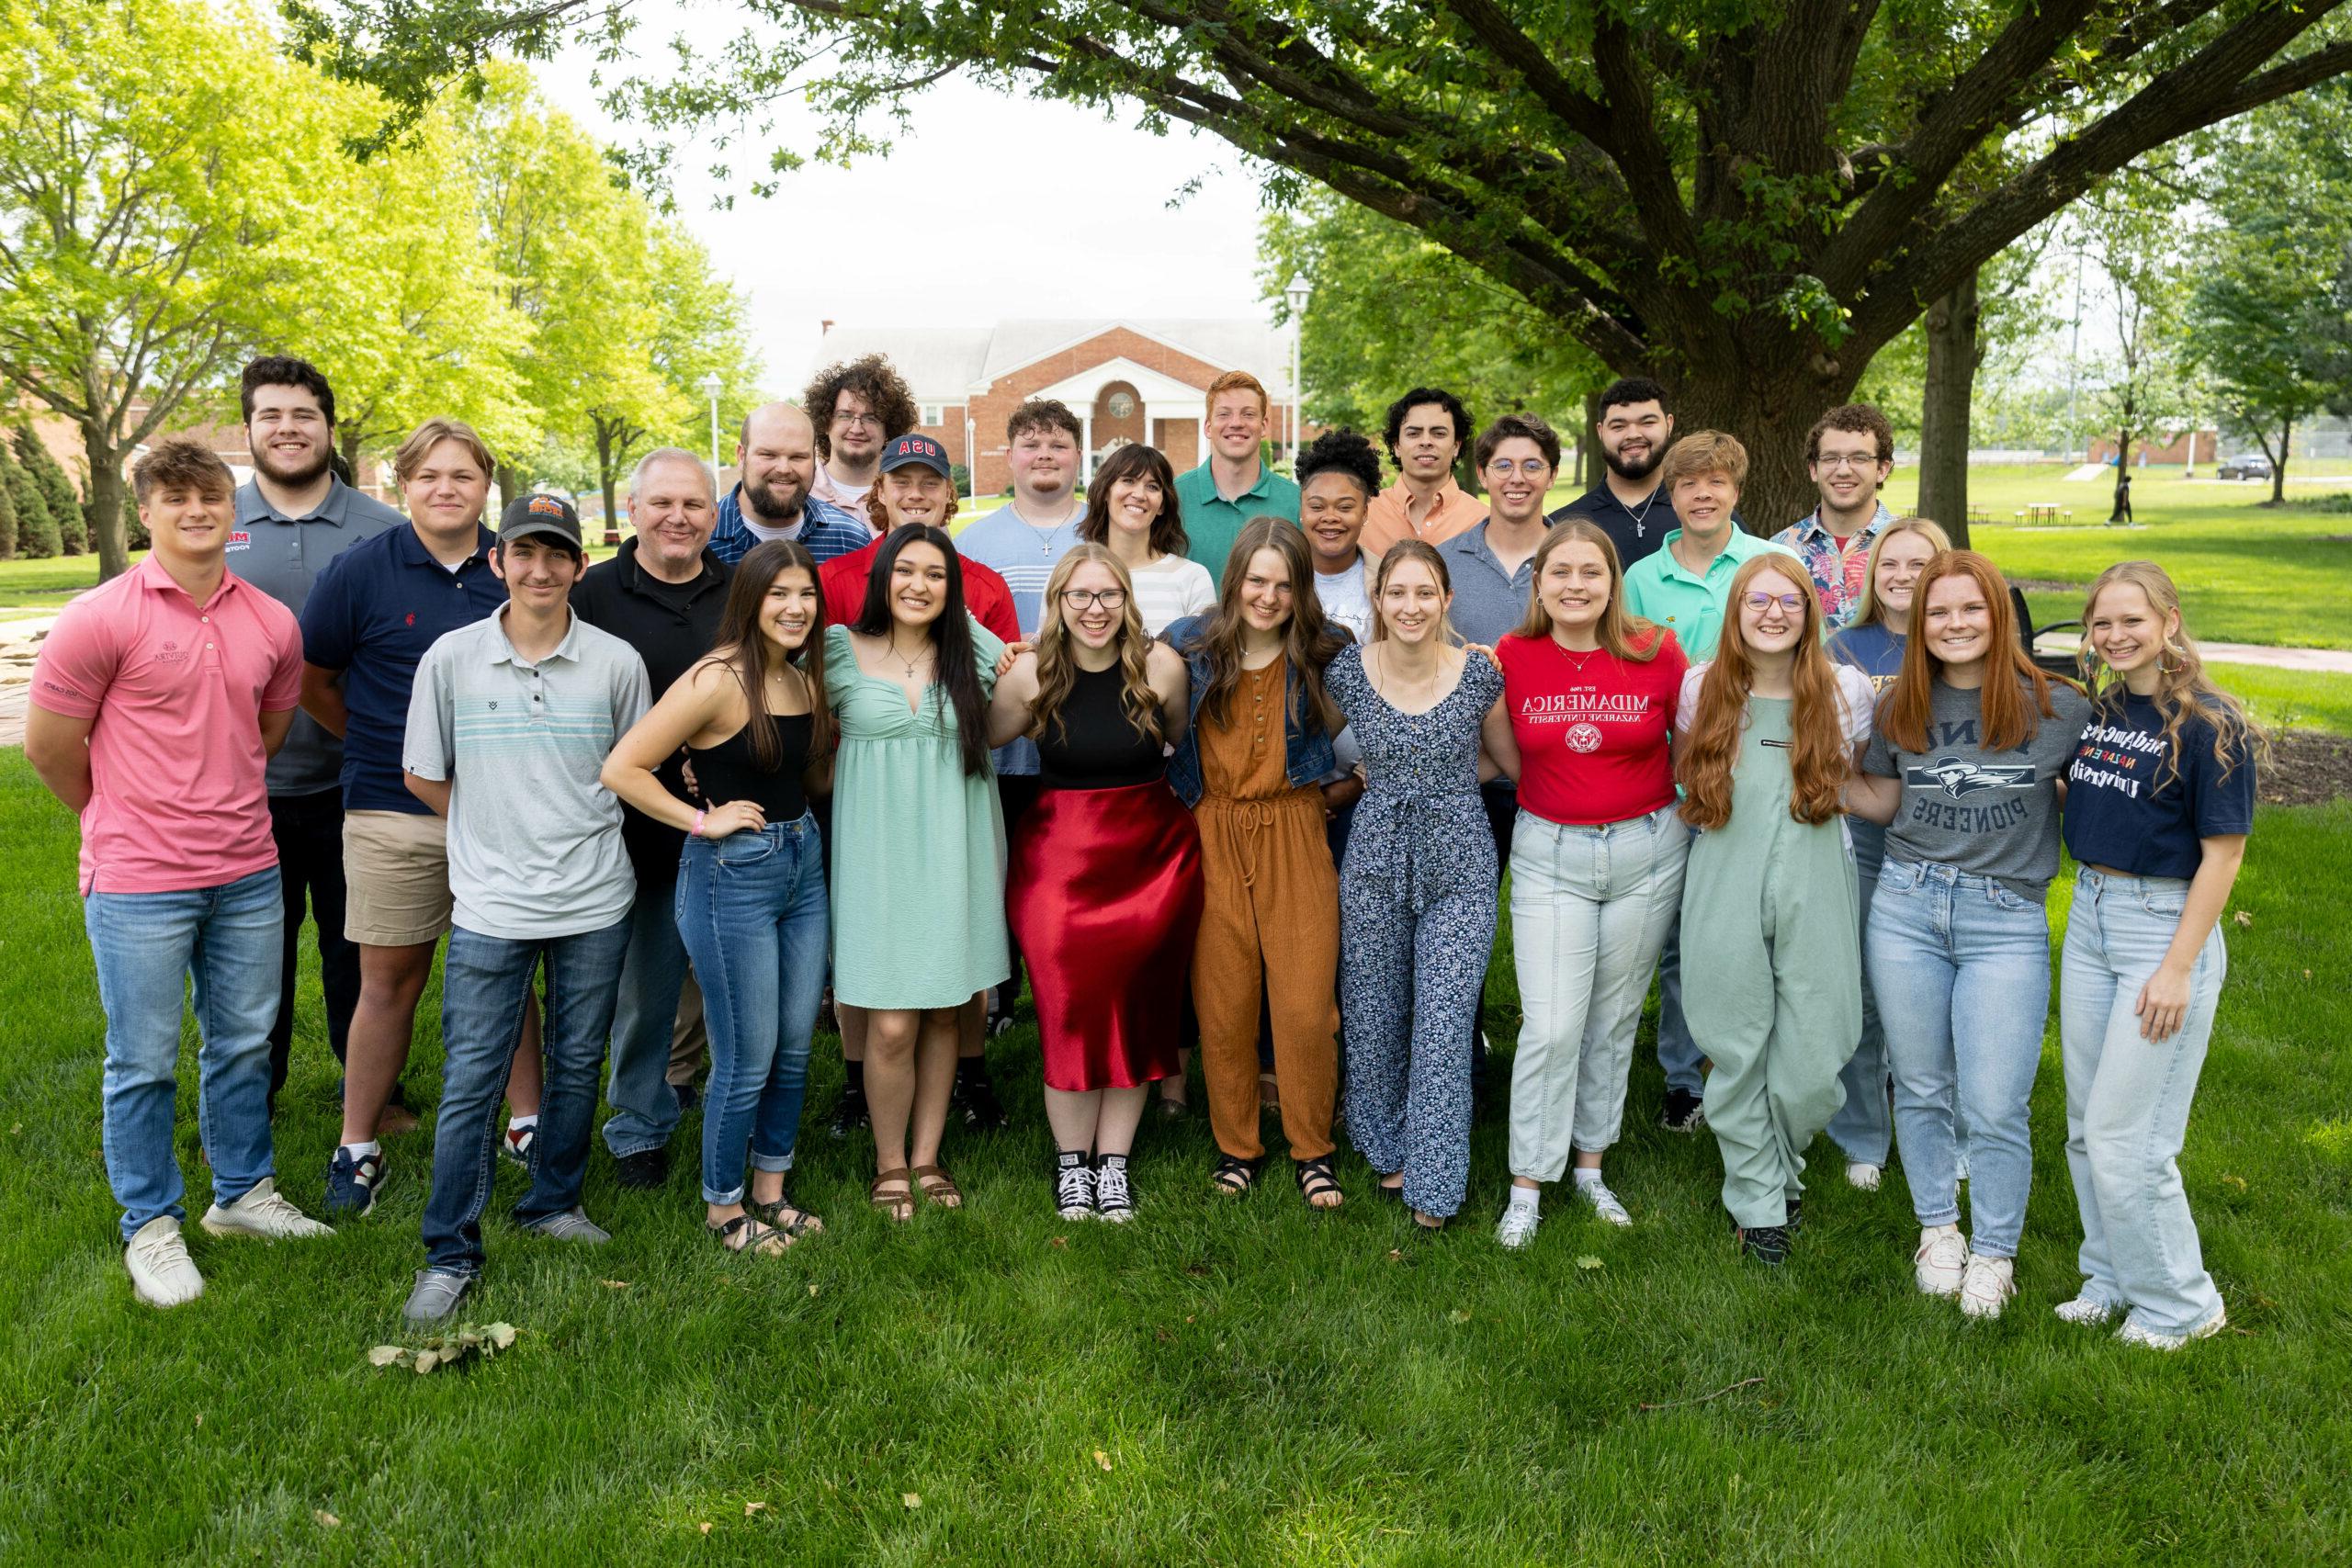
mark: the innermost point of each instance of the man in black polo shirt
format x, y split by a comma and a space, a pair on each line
662, 595
1634, 430
293, 516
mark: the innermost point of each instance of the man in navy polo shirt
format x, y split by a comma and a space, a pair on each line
776, 455
370, 618
293, 517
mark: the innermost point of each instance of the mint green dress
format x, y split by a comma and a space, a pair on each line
917, 848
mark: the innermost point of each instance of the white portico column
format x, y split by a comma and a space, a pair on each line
1086, 447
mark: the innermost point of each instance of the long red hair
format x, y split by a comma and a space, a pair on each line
1819, 759
2005, 711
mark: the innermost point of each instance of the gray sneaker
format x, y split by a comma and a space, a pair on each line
437, 1294
572, 1224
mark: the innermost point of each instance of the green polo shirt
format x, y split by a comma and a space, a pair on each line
1659, 588
1211, 523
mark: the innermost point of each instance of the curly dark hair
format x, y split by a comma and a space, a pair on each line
1464, 428
1341, 451
871, 377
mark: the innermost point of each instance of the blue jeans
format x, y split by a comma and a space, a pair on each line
484, 981
653, 970
148, 947
2127, 1099
1679, 1055
1961, 968
751, 909
1864, 1126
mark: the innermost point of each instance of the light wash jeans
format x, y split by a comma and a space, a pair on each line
2127, 1099
149, 947
485, 980
750, 908
645, 1015
1588, 909
1863, 1128
1961, 968
1679, 1055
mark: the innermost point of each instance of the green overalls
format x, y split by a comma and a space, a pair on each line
1771, 975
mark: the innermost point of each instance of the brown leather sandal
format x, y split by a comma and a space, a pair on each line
938, 1187
898, 1205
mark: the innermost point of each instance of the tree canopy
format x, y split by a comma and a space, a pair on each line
1747, 198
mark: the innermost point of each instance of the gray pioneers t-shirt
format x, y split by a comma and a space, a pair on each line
283, 557
1989, 813
534, 841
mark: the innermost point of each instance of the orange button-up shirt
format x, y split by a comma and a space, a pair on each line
1387, 522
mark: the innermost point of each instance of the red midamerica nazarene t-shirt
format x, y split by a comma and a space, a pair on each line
1594, 731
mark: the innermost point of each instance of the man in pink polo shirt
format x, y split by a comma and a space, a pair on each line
157, 703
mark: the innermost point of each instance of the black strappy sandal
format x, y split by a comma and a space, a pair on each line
1315, 1179
785, 1216
756, 1237
1235, 1176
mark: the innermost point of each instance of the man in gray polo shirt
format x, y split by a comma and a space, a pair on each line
293, 516
508, 727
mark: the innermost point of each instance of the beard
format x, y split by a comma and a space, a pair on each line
769, 507
1640, 468
294, 477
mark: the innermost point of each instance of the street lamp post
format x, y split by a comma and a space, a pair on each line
1296, 291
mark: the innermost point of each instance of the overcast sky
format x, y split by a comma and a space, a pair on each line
1051, 210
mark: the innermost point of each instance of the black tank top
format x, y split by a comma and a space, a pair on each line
1096, 745
729, 771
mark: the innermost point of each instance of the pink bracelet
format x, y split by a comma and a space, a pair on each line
696, 831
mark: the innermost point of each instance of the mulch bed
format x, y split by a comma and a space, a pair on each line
2307, 767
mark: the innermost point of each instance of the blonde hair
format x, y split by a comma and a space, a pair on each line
1624, 635
2184, 691
1703, 452
1868, 609
1396, 556
1058, 666
431, 434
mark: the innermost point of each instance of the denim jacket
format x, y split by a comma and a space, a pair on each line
1307, 751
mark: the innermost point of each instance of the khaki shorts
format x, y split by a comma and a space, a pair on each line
396, 878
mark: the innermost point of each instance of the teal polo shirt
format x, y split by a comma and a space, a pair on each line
1211, 523
1659, 588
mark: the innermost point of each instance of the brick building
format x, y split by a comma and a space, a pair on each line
1126, 380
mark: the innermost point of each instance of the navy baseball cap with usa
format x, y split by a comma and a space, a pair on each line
908, 449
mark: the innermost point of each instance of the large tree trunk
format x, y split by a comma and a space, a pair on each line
512, 482
1954, 354
1768, 407
605, 465
106, 502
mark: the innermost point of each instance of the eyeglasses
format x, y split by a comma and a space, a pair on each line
1792, 603
854, 419
1829, 463
1087, 598
1533, 468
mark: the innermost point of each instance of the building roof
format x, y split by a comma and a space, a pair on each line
949, 364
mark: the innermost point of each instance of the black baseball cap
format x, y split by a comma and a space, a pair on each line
540, 514
921, 449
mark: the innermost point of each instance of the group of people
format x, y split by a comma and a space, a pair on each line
1224, 760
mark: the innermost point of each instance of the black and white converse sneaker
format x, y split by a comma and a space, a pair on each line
1113, 1201
1074, 1184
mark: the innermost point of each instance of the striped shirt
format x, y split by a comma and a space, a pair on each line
534, 841
1024, 555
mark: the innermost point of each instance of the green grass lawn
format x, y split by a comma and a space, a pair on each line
1222, 1382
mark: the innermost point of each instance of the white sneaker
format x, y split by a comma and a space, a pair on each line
1604, 1202
263, 1212
2150, 1339
1940, 1262
162, 1273
1862, 1175
1990, 1283
1518, 1227
2088, 1311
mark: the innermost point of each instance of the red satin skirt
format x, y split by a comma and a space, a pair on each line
1103, 894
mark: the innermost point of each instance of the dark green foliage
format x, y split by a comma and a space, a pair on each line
36, 532
57, 491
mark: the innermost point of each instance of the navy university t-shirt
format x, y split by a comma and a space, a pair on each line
2126, 807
